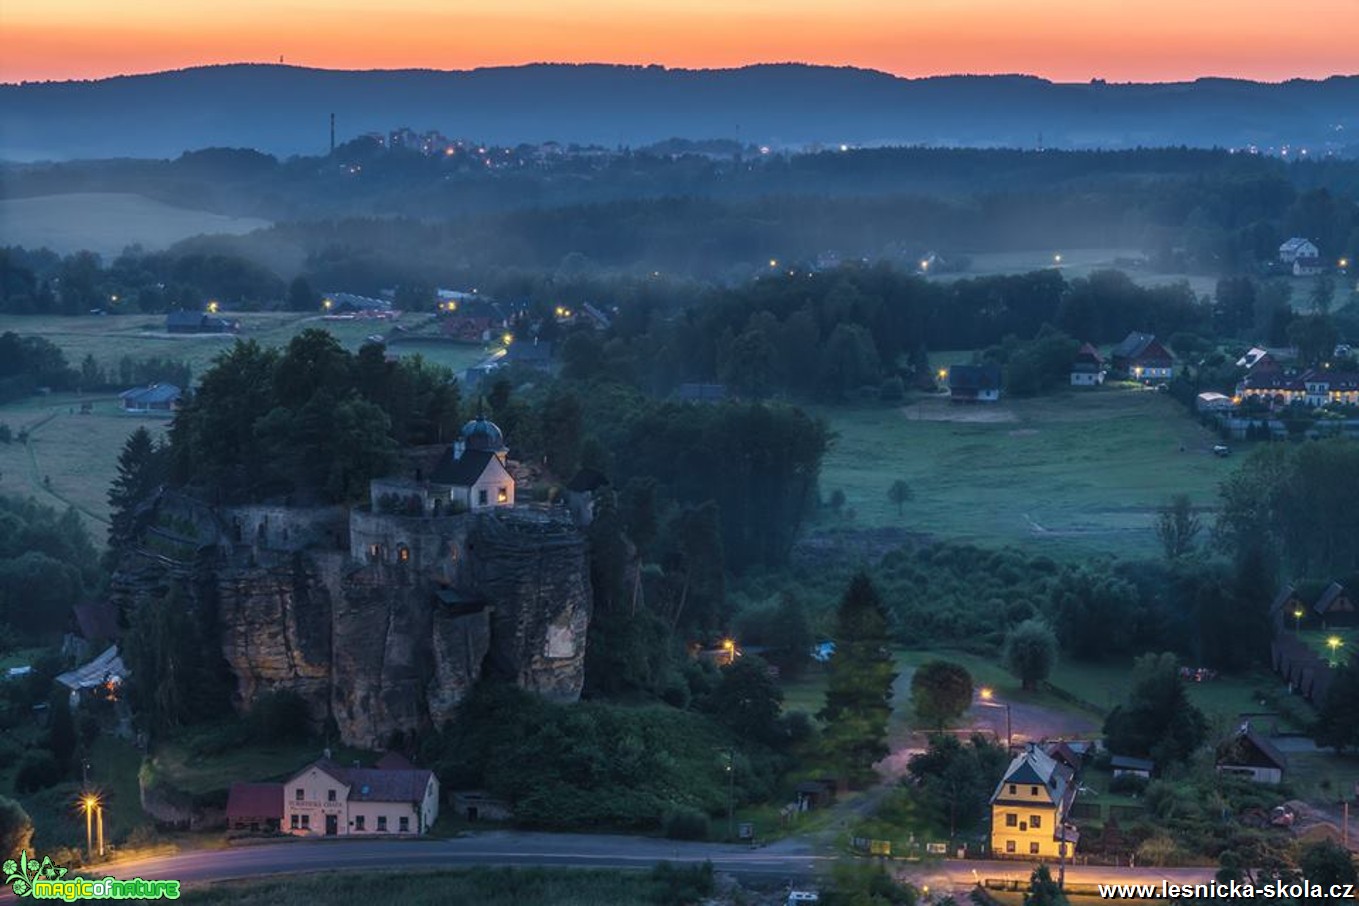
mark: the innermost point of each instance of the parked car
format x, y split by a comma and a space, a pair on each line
1221, 450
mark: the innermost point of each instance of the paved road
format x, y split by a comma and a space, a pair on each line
786, 859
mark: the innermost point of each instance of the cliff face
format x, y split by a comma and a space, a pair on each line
388, 632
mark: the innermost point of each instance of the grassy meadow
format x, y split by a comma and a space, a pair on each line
108, 222
1078, 472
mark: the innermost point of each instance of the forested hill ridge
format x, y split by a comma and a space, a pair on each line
285, 110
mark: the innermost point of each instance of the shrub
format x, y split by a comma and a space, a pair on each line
684, 823
37, 771
16, 828
673, 886
1128, 785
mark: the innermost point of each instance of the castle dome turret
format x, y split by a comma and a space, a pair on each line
481, 434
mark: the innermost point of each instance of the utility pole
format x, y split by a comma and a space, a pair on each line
332, 133
731, 794
1061, 854
100, 823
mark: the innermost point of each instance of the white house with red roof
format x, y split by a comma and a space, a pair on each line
326, 799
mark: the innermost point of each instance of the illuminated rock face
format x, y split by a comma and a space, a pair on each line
382, 622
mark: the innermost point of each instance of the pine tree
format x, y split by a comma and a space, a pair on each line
859, 696
141, 469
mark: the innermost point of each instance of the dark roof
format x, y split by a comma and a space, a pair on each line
1034, 767
1133, 345
1088, 353
1129, 763
183, 318
1334, 598
481, 434
255, 800
1249, 748
393, 761
462, 472
353, 302
460, 603
974, 377
1286, 594
532, 352
155, 393
379, 785
97, 620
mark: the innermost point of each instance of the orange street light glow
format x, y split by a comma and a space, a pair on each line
1063, 40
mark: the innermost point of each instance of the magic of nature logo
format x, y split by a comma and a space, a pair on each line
45, 880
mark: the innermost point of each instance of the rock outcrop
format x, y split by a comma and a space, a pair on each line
380, 622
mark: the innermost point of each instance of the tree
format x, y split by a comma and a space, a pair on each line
1338, 723
954, 780
748, 701
16, 828
940, 691
1327, 863
61, 729
900, 493
142, 467
1030, 652
1158, 721
859, 694
1177, 525
300, 296
1043, 891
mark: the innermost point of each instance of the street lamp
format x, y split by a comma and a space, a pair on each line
1334, 643
94, 814
987, 695
1297, 620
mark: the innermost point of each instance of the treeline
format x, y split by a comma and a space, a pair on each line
47, 563
310, 422
40, 282
829, 334
28, 363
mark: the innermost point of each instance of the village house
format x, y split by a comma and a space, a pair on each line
1126, 765
156, 399
1335, 607
1248, 754
1298, 248
1324, 388
349, 305
470, 475
1210, 401
1142, 357
1029, 808
1258, 360
325, 799
1315, 388
1088, 368
974, 383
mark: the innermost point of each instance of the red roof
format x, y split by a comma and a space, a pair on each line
255, 800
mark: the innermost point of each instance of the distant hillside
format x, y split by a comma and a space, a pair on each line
285, 110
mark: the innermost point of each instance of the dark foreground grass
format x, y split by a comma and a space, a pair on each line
482, 886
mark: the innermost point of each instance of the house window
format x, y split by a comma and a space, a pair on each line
481, 497
1033, 849
1035, 821
502, 495
1011, 819
297, 794
1009, 846
403, 553
296, 822
306, 822
1012, 789
382, 822
330, 795
358, 822
404, 824
1033, 791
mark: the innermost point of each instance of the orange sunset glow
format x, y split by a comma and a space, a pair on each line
1064, 40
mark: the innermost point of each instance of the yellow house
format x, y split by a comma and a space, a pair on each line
1029, 808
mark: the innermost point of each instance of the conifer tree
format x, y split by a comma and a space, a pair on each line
859, 696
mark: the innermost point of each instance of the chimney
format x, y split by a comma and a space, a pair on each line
326, 752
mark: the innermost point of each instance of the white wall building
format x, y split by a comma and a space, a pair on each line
324, 799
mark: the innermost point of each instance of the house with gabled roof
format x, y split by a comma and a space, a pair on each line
1286, 605
1142, 357
326, 799
974, 383
1297, 248
155, 399
1030, 806
1088, 369
1334, 603
1247, 753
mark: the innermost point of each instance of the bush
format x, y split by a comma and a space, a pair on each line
677, 886
37, 771
16, 828
684, 823
1128, 785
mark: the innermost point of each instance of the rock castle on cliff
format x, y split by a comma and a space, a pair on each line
382, 616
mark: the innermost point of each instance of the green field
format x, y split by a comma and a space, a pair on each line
108, 222
1071, 472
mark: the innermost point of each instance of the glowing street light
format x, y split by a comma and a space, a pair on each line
94, 814
1297, 620
1057, 260
773, 263
924, 264
1334, 643
212, 307
987, 696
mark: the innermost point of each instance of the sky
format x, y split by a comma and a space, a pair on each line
1063, 40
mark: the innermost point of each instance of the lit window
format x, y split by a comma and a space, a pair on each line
1009, 846
403, 553
502, 495
1033, 849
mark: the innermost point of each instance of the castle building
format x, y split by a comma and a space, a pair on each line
470, 476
